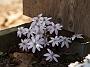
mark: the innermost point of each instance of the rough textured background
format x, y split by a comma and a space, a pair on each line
11, 14
75, 14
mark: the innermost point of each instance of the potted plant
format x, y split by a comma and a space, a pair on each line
42, 43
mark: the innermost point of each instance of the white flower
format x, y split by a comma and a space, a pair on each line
46, 42
25, 31
36, 43
20, 31
77, 36
33, 24
51, 56
65, 41
54, 27
30, 32
42, 28
24, 44
37, 21
47, 20
38, 18
35, 29
55, 41
39, 25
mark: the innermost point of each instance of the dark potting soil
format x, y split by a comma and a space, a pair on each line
18, 58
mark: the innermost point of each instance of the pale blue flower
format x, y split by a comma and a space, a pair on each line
20, 31
54, 27
25, 31
47, 20
36, 43
24, 44
46, 42
54, 41
51, 56
65, 41
76, 36
38, 18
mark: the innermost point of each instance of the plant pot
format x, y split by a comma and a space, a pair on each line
9, 43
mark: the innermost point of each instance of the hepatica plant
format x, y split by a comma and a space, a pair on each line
39, 35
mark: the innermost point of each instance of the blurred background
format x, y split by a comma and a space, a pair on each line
11, 14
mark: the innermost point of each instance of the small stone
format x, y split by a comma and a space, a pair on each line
24, 59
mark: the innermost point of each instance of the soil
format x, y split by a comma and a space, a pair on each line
19, 59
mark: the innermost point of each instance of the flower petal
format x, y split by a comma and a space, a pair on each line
55, 59
33, 49
47, 54
56, 55
49, 51
62, 45
67, 45
30, 46
53, 44
48, 58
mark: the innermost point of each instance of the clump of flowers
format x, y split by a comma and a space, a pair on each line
39, 36
85, 63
